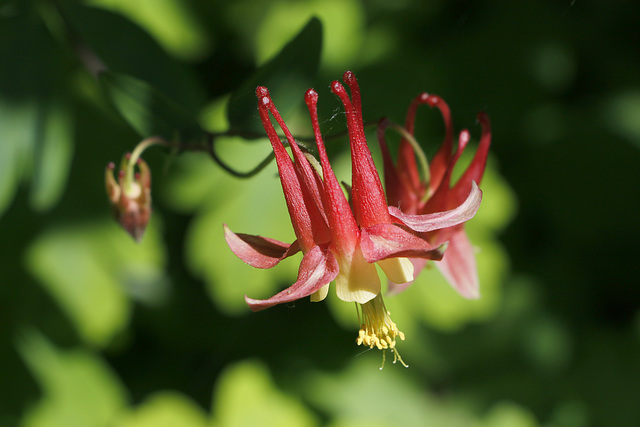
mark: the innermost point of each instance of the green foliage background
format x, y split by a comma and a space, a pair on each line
96, 330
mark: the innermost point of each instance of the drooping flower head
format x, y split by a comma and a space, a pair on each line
433, 192
341, 244
130, 195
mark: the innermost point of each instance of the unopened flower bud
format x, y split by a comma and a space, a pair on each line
130, 195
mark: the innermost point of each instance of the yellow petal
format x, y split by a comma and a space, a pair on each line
398, 270
358, 280
320, 294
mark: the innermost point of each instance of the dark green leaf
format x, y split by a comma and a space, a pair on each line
147, 110
54, 149
34, 114
123, 47
288, 75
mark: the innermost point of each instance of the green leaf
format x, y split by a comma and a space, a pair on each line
165, 409
362, 395
221, 198
247, 396
125, 48
78, 389
17, 127
288, 74
54, 149
147, 110
509, 414
36, 128
88, 270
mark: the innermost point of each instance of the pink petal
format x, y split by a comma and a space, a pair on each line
439, 220
382, 241
258, 251
318, 268
459, 265
442, 158
476, 169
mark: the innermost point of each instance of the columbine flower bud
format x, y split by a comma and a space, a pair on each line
130, 194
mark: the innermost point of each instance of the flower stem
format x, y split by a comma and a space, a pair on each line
422, 158
135, 155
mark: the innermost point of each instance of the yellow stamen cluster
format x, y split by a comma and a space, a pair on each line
377, 329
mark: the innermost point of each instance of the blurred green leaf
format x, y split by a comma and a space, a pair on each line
36, 125
622, 114
78, 388
125, 48
288, 74
432, 299
362, 395
508, 414
245, 395
165, 409
147, 110
53, 153
221, 198
89, 269
343, 23
171, 22
17, 124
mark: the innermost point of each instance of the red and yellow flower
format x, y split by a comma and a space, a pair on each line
339, 243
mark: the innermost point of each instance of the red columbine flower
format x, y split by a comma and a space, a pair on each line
339, 244
130, 195
434, 193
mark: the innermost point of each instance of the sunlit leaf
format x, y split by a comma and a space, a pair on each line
90, 270
362, 395
171, 22
343, 22
432, 298
222, 198
508, 414
78, 389
288, 74
165, 409
246, 396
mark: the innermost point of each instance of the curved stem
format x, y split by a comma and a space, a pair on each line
212, 152
137, 152
301, 141
422, 158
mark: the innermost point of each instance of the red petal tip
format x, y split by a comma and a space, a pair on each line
311, 97
423, 98
463, 139
483, 119
336, 87
121, 173
127, 156
111, 166
348, 77
262, 91
433, 100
